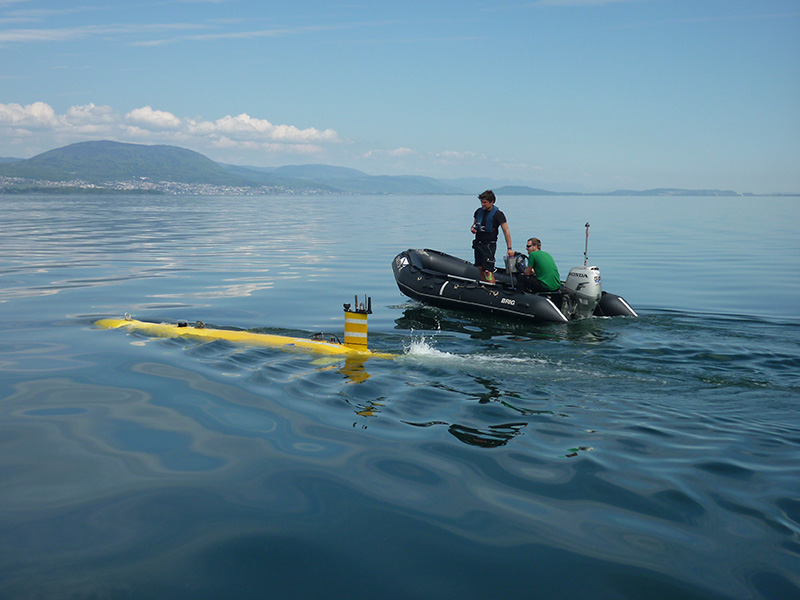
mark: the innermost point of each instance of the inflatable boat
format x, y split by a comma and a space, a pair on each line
445, 281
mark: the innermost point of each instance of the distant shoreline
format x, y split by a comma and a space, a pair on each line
20, 187
107, 167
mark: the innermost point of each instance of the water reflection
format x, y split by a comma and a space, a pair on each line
488, 437
484, 327
477, 410
353, 368
496, 459
370, 408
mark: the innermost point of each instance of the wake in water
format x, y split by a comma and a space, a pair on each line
652, 350
422, 352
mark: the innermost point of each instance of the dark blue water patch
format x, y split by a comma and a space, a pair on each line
682, 506
767, 519
320, 552
216, 406
173, 449
788, 322
102, 547
753, 355
266, 565
791, 510
649, 430
214, 413
407, 470
725, 468
772, 584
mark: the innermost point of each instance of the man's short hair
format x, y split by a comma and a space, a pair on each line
535, 242
488, 195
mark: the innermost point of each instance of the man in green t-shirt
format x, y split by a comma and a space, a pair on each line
541, 275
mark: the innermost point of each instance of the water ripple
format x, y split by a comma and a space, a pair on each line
627, 458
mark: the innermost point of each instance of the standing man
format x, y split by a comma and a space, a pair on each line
541, 275
487, 220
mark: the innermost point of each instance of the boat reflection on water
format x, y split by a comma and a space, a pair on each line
489, 437
477, 326
492, 436
494, 367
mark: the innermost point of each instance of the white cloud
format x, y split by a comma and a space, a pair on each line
245, 127
456, 155
90, 114
41, 35
124, 31
148, 119
138, 34
396, 153
149, 125
32, 116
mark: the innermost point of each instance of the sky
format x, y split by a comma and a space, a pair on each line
594, 95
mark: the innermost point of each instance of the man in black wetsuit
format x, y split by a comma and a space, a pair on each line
485, 224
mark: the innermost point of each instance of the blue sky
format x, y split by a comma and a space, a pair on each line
595, 94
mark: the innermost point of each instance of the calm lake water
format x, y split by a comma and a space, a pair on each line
656, 457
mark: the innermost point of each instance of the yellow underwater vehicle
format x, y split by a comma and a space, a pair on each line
354, 348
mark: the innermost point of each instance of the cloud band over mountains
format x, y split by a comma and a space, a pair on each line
148, 125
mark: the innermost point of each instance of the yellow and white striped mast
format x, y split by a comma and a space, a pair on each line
355, 324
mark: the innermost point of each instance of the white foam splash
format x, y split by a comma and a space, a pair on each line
423, 347
423, 351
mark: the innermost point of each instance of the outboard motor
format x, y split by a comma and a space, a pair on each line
585, 289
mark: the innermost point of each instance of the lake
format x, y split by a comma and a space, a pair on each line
625, 458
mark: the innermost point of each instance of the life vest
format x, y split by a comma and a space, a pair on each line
484, 227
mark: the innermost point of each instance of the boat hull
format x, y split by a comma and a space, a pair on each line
445, 281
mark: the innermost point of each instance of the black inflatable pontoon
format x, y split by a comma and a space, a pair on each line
442, 280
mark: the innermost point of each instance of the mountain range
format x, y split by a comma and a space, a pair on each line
99, 163
113, 166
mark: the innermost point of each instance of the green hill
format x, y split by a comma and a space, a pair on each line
673, 192
98, 162
106, 162
358, 182
342, 179
266, 176
522, 190
319, 172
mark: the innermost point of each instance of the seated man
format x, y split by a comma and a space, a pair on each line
541, 275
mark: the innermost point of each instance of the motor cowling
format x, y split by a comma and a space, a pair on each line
585, 288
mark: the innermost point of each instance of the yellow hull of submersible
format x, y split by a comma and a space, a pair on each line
172, 330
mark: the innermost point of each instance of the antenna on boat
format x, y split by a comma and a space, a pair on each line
586, 246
